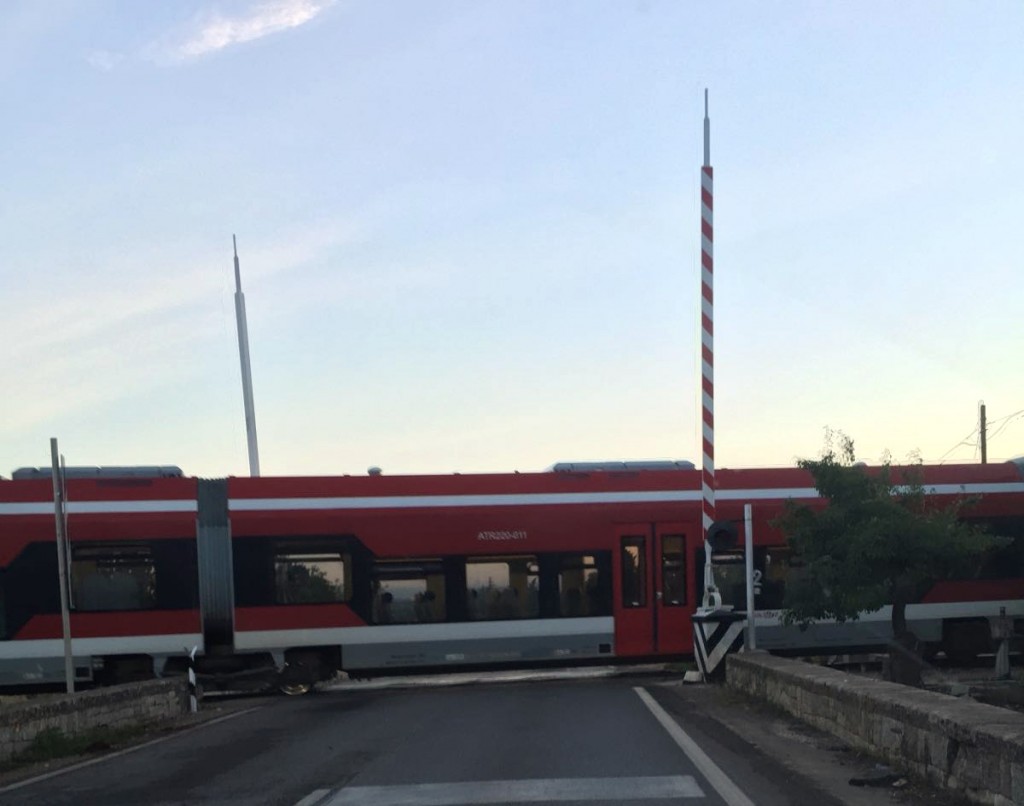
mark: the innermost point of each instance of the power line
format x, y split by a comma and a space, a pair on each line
1007, 417
976, 444
962, 442
1006, 422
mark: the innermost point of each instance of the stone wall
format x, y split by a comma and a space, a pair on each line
956, 743
133, 704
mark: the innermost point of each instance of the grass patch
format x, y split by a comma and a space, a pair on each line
53, 743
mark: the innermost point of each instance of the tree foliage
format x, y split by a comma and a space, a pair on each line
879, 540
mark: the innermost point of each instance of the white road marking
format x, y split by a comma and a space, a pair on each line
313, 797
88, 763
720, 782
579, 790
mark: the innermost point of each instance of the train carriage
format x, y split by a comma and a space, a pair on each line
465, 570
132, 581
294, 578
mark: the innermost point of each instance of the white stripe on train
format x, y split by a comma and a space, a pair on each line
599, 627
986, 608
173, 644
433, 501
539, 499
93, 507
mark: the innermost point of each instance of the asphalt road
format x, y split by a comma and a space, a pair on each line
610, 741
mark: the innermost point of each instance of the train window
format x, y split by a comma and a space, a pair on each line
673, 571
309, 578
581, 588
408, 593
1000, 562
634, 572
502, 588
113, 578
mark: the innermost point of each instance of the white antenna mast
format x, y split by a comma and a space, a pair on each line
243, 354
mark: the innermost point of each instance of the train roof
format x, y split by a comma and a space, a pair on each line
579, 478
108, 472
628, 466
666, 474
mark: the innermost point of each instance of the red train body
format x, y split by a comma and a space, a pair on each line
299, 577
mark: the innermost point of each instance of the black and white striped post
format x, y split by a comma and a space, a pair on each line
716, 629
193, 699
716, 633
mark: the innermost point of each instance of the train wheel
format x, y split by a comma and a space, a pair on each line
295, 689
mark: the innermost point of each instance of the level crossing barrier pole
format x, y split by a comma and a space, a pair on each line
717, 629
193, 699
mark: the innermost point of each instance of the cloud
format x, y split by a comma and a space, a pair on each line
213, 31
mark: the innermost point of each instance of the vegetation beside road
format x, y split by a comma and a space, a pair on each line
52, 744
879, 541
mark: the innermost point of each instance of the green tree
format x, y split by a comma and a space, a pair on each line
878, 541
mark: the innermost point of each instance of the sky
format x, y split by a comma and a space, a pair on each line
469, 231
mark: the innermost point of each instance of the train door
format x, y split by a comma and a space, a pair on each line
652, 603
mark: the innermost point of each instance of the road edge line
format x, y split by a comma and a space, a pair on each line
720, 782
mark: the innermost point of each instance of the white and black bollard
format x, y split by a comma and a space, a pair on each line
1002, 631
716, 633
193, 699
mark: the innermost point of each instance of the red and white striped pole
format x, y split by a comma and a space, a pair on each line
712, 598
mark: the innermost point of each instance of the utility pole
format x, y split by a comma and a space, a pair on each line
983, 431
62, 553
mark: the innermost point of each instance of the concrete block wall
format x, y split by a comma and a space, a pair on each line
960, 744
133, 704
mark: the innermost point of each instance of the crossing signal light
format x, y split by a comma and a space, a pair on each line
722, 535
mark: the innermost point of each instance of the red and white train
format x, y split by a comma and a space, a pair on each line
299, 577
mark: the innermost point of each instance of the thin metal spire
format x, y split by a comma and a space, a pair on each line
238, 272
707, 133
243, 356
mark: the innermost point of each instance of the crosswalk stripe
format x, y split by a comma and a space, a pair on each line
314, 797
579, 790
